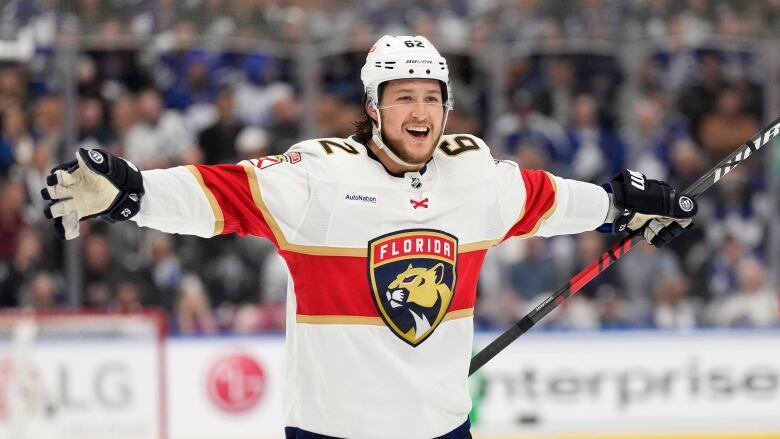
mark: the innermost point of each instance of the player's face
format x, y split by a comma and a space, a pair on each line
412, 116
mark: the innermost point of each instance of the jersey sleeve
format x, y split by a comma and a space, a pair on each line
210, 200
545, 205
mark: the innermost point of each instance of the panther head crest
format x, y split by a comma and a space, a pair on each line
422, 293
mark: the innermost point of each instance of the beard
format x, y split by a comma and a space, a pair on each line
394, 145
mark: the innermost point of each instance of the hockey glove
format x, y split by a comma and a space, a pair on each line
96, 184
650, 204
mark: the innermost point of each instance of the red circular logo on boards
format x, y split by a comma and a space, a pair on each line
236, 383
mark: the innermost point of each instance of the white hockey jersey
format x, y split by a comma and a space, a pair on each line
383, 267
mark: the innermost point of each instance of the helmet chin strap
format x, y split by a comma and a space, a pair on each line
376, 137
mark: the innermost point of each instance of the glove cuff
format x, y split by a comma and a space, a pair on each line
617, 219
126, 206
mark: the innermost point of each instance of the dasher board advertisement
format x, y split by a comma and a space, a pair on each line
89, 388
619, 383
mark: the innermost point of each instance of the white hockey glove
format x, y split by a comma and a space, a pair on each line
650, 204
96, 184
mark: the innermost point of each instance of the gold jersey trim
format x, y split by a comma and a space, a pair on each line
319, 250
219, 218
371, 321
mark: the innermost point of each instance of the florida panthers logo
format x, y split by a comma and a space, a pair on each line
413, 279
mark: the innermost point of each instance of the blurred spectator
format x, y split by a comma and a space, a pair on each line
127, 297
12, 221
698, 99
29, 259
527, 127
728, 125
651, 139
260, 90
723, 267
252, 318
640, 273
597, 154
101, 272
555, 99
687, 163
195, 85
194, 94
161, 139
13, 86
738, 212
164, 267
673, 308
590, 245
96, 297
523, 20
40, 293
274, 278
594, 19
16, 143
47, 125
499, 310
335, 118
535, 273
285, 128
193, 314
676, 61
252, 143
218, 141
247, 319
754, 304
615, 312
110, 74
124, 116
91, 122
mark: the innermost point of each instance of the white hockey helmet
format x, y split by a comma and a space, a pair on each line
402, 57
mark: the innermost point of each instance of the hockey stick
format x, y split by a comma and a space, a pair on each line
576, 283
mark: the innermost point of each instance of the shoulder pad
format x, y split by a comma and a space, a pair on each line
453, 145
325, 146
310, 155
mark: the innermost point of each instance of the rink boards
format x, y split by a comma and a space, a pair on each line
703, 384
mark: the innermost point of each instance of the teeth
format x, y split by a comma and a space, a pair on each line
418, 129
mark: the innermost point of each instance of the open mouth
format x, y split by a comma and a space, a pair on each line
418, 132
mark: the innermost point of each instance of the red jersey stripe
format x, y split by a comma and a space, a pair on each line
540, 201
219, 219
339, 285
229, 185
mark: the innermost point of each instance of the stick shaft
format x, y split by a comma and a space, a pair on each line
611, 256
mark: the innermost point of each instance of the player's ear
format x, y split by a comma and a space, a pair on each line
370, 111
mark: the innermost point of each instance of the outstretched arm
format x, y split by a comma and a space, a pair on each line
197, 199
557, 206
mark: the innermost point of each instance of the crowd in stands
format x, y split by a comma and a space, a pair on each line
168, 82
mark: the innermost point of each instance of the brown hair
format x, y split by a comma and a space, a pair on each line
363, 126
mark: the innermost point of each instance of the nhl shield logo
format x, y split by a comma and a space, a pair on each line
412, 275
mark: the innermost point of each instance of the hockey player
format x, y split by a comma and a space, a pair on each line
383, 234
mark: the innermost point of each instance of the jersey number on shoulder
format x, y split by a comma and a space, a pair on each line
458, 145
328, 146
